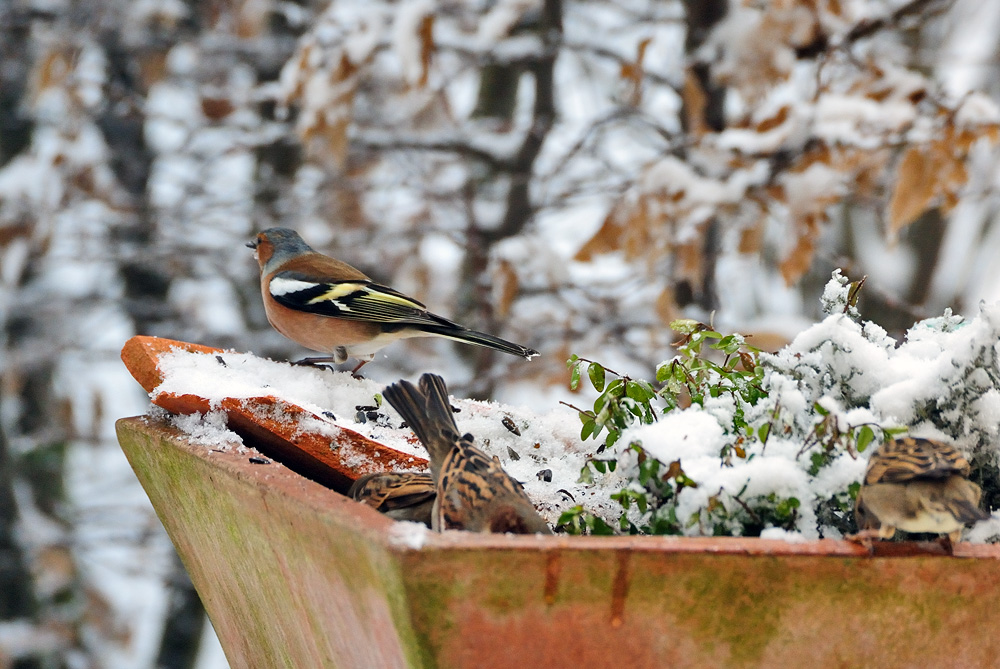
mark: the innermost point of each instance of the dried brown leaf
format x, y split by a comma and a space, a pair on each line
774, 121
508, 284
695, 103
216, 108
637, 239
798, 261
666, 306
915, 188
426, 35
752, 238
631, 72
605, 240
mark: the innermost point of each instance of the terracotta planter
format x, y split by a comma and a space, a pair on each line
293, 574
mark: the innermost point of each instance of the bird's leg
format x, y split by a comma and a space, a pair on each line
354, 372
949, 540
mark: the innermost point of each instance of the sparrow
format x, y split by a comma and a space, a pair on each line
326, 305
916, 485
473, 491
399, 495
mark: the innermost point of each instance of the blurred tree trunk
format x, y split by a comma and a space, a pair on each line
185, 624
703, 111
146, 284
17, 599
497, 99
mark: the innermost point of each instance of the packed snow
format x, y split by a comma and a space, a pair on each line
542, 451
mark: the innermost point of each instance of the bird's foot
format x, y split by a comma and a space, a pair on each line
320, 363
948, 541
867, 538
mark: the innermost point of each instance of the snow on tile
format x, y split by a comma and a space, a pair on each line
546, 457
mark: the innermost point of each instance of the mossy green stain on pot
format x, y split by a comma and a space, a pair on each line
275, 576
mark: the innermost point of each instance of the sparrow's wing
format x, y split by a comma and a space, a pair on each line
909, 459
387, 491
475, 493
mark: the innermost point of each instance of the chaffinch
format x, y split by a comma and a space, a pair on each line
916, 485
399, 495
326, 305
473, 491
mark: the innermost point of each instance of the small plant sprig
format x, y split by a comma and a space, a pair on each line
709, 364
688, 378
693, 375
619, 404
828, 439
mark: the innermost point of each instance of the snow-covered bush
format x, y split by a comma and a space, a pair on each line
736, 441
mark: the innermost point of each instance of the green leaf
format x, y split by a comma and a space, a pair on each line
728, 344
635, 408
680, 374
763, 431
589, 426
641, 502
865, 437
603, 416
663, 372
635, 391
572, 361
684, 325
599, 528
574, 377
648, 388
596, 373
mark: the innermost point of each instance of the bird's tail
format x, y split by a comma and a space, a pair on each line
428, 413
963, 504
459, 333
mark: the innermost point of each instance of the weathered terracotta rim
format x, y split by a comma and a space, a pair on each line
385, 531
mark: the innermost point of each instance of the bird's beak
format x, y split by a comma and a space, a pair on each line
252, 244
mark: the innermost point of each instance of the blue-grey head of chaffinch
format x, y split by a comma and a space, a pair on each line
328, 306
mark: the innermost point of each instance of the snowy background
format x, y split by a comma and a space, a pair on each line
569, 175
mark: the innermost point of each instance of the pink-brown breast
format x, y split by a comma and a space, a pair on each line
313, 331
